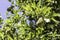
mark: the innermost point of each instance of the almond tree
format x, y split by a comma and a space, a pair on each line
32, 20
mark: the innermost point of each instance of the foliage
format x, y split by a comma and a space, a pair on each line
32, 20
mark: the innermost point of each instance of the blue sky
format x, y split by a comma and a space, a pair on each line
4, 4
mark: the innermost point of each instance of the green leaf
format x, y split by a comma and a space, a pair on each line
40, 20
56, 14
